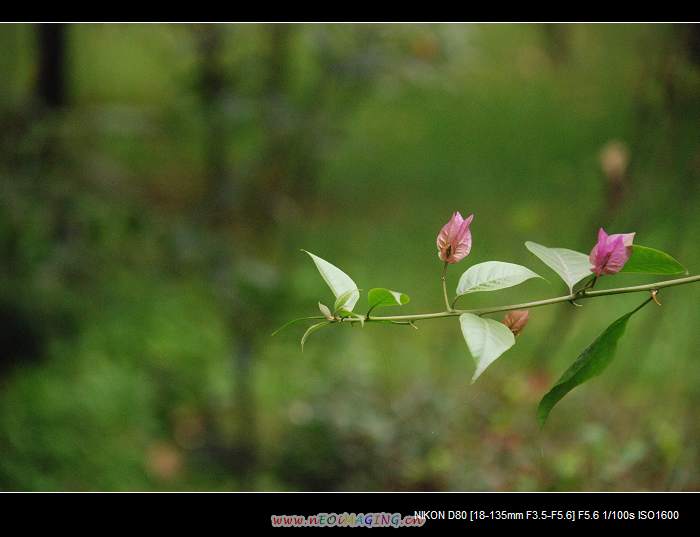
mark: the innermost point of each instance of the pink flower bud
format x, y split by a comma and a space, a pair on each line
455, 239
611, 252
516, 320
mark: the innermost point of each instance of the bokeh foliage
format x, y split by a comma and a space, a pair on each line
149, 244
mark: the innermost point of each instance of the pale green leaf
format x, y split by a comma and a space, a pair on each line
386, 297
491, 276
487, 340
340, 283
571, 266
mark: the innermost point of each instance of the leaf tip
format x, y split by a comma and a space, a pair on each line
542, 415
279, 330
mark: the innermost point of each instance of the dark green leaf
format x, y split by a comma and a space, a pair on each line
590, 363
651, 261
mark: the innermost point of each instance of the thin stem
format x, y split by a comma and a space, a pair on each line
444, 287
590, 284
579, 295
288, 323
635, 310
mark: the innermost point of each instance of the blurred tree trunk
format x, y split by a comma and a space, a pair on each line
28, 322
677, 106
283, 177
297, 129
51, 82
556, 39
211, 85
278, 123
215, 214
693, 43
52, 95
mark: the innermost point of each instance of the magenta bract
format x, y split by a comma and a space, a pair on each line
611, 252
454, 241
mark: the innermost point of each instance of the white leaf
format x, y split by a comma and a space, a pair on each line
339, 282
487, 340
571, 266
325, 311
493, 275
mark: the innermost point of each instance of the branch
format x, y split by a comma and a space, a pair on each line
579, 295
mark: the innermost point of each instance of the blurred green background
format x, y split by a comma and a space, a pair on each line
158, 181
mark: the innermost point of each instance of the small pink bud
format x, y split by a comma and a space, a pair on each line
516, 320
455, 239
611, 252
